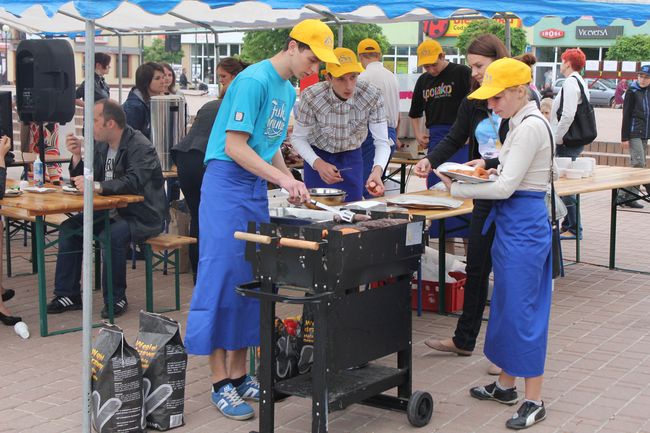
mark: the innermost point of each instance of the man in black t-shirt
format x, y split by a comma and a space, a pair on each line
438, 93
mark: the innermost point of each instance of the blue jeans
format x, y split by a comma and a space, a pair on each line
69, 258
368, 154
570, 223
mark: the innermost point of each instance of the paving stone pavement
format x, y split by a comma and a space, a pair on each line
597, 372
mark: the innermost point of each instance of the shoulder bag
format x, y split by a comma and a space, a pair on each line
583, 129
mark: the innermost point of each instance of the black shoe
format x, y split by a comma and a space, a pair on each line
634, 205
61, 304
9, 320
527, 415
8, 294
491, 392
119, 308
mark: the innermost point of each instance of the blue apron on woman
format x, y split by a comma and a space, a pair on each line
220, 318
456, 227
517, 330
353, 182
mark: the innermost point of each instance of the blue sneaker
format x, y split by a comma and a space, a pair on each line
250, 389
230, 404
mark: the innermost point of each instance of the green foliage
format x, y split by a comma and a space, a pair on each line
479, 27
156, 53
630, 48
262, 44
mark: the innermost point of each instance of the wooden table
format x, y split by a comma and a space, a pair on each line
403, 176
39, 205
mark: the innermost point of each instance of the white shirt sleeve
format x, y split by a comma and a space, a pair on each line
379, 133
571, 92
300, 143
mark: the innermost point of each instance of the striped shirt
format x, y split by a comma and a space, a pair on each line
336, 125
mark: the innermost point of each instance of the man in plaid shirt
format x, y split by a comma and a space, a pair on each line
332, 120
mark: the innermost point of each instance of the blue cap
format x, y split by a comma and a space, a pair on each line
645, 69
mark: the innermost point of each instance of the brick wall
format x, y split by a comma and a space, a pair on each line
608, 153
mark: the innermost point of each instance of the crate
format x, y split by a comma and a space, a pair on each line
454, 294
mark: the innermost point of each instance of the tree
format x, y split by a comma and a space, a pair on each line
631, 48
156, 53
262, 44
479, 27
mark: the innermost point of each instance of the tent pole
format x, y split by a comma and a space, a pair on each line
87, 276
508, 36
119, 66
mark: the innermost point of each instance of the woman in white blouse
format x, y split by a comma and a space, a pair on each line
517, 330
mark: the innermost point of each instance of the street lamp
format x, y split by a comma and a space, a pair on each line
5, 60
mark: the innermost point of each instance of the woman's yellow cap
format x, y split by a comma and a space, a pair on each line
500, 75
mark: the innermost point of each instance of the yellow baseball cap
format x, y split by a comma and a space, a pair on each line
318, 37
500, 75
368, 46
347, 62
428, 52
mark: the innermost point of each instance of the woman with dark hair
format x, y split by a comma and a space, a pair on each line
170, 79
227, 70
477, 124
190, 153
149, 81
573, 60
102, 91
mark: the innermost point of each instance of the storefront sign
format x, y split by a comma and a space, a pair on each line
552, 34
439, 28
594, 32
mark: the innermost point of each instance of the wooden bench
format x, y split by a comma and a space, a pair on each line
19, 220
160, 247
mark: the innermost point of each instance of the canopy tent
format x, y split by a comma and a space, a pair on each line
119, 17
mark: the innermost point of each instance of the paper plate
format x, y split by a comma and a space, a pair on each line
71, 190
39, 190
12, 192
466, 178
425, 202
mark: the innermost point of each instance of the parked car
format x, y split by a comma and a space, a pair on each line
601, 91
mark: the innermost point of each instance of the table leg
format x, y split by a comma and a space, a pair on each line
39, 234
612, 230
578, 228
109, 265
402, 181
442, 275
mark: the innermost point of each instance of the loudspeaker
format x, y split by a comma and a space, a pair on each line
45, 81
6, 121
172, 43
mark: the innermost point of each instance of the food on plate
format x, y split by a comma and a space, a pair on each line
478, 172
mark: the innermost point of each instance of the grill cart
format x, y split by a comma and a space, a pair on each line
354, 325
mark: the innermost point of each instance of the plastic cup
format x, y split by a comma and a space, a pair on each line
24, 184
22, 330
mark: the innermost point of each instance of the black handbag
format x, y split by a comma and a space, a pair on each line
583, 129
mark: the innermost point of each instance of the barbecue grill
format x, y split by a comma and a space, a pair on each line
354, 325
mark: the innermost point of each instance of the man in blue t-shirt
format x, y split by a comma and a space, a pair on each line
243, 153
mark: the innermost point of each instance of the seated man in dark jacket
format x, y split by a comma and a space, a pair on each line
125, 162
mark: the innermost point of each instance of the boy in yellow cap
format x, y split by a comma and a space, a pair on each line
370, 57
438, 93
242, 154
332, 120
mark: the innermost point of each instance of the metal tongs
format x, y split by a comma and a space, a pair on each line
344, 214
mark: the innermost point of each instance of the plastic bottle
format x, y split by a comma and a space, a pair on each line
22, 330
38, 171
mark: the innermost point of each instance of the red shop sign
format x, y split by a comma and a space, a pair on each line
552, 33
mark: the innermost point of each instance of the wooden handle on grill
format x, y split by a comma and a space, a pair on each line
252, 237
299, 243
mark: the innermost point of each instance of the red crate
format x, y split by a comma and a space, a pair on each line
454, 294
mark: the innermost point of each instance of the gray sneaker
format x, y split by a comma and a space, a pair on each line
527, 415
491, 392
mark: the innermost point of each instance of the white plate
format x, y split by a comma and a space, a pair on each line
12, 192
425, 202
70, 189
39, 190
466, 178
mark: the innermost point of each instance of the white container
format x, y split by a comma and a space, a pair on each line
22, 330
561, 172
563, 162
573, 173
584, 165
590, 161
38, 171
24, 184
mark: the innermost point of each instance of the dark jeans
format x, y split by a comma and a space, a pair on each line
190, 176
70, 255
570, 222
479, 266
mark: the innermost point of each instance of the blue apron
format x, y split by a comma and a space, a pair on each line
353, 183
517, 330
368, 151
456, 227
219, 318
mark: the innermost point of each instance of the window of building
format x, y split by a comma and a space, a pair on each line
125, 73
545, 54
592, 53
397, 58
202, 59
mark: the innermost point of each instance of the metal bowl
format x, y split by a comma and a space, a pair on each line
328, 196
